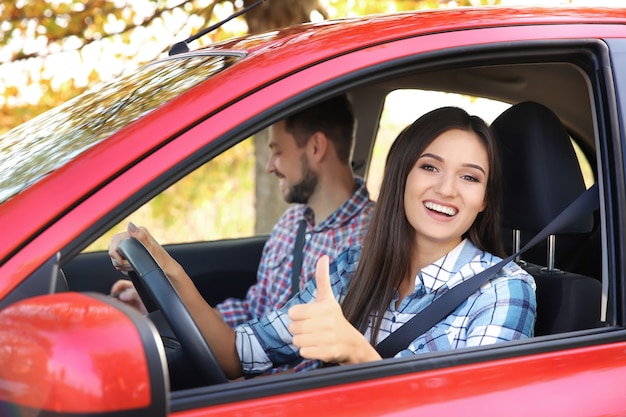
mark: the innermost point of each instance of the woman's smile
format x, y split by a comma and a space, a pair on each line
440, 209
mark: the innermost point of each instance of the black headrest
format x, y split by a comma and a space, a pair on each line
541, 173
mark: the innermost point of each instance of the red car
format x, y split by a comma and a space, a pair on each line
71, 175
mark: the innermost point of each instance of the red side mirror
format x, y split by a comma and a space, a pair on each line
80, 353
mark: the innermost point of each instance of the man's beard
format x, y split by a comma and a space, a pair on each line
301, 192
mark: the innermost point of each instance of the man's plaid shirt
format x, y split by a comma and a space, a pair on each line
341, 230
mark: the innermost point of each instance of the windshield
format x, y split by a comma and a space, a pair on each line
47, 142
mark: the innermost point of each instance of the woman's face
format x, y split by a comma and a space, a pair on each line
445, 189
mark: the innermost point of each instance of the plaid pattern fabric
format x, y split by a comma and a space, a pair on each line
503, 309
341, 230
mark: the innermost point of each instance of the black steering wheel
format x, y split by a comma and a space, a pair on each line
156, 291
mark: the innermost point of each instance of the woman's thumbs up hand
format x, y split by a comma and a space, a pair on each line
319, 328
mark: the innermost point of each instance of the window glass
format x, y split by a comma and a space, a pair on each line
585, 166
31, 151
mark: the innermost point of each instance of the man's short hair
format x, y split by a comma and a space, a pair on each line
333, 117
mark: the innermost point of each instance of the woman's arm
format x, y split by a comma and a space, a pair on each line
219, 336
505, 311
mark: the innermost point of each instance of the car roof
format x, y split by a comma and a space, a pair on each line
347, 34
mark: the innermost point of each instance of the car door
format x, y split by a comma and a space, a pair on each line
476, 381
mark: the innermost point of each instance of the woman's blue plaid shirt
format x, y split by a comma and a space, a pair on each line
503, 309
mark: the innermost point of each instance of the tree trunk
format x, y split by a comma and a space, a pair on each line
272, 14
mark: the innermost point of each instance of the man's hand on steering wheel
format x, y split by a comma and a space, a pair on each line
125, 291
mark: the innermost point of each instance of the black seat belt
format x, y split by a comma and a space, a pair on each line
297, 258
439, 309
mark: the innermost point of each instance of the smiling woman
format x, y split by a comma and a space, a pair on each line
454, 168
445, 159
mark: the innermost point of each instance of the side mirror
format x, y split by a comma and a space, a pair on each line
74, 353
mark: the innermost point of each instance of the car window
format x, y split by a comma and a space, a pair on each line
216, 201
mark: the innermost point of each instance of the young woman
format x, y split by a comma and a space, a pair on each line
436, 224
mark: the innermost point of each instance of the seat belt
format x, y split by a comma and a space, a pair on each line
297, 258
443, 306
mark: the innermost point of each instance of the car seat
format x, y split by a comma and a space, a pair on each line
542, 176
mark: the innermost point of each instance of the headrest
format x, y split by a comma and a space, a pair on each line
541, 173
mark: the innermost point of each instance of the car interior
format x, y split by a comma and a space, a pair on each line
547, 129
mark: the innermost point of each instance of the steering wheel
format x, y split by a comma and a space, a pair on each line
154, 287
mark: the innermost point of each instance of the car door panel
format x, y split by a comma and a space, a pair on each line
220, 269
476, 382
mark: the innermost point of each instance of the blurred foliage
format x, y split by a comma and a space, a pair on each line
53, 50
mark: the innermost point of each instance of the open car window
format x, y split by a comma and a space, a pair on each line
215, 201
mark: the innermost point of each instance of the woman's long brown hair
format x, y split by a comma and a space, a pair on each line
385, 255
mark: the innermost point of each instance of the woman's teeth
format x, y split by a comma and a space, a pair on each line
449, 211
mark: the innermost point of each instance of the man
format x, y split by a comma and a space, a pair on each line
310, 155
